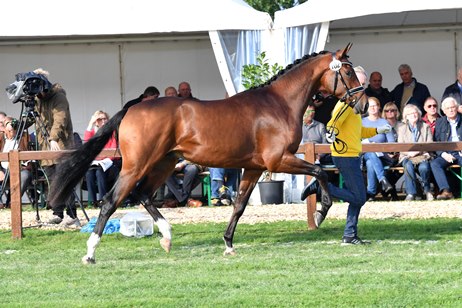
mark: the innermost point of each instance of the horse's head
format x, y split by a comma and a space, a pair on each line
344, 81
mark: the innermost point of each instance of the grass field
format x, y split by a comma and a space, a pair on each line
411, 263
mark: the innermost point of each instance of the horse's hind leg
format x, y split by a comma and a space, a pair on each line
124, 184
248, 182
145, 193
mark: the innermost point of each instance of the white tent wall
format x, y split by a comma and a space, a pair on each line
90, 73
432, 55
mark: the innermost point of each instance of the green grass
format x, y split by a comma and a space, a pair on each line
411, 263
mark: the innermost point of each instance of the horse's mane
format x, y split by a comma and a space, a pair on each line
289, 67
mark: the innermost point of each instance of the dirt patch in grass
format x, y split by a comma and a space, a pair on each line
262, 213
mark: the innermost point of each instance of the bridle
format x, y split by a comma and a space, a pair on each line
336, 66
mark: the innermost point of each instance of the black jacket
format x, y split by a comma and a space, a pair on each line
420, 94
453, 91
443, 131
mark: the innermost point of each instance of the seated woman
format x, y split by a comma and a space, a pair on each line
415, 130
104, 170
375, 161
8, 142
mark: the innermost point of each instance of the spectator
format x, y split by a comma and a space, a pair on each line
447, 128
224, 182
151, 92
170, 91
314, 131
2, 120
455, 89
376, 90
431, 113
54, 112
375, 161
184, 90
409, 91
391, 114
9, 142
346, 127
103, 170
415, 130
324, 108
181, 191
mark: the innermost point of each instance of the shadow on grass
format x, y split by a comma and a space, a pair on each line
297, 231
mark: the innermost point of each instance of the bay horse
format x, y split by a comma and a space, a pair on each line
258, 129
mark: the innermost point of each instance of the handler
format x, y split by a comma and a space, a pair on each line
344, 132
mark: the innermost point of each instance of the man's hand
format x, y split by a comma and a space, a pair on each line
384, 129
330, 136
54, 146
448, 157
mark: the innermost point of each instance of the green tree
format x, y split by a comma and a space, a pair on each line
271, 6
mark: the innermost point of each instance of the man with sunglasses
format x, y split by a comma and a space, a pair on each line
431, 113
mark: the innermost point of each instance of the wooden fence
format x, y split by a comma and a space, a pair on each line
309, 150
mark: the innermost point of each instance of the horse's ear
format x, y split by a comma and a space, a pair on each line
346, 50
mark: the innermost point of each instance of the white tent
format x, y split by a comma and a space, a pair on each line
107, 52
385, 34
107, 17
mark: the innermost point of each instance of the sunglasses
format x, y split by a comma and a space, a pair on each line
431, 106
391, 110
101, 119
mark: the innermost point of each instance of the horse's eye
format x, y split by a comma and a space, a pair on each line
349, 73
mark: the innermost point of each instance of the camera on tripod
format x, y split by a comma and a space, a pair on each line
26, 87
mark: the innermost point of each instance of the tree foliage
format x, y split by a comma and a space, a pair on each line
271, 6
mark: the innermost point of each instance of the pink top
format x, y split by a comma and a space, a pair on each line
111, 144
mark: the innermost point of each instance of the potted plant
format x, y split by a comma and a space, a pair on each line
253, 75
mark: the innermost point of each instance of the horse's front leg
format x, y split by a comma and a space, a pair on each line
294, 165
248, 182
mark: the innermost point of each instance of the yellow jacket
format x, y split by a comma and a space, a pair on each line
347, 126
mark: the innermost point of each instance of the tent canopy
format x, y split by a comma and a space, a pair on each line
108, 17
390, 13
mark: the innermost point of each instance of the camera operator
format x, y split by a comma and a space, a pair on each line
9, 142
53, 109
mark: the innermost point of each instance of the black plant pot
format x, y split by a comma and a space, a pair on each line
271, 192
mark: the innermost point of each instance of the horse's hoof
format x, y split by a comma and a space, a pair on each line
318, 218
166, 244
87, 260
229, 252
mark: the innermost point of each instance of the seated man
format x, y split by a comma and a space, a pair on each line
7, 143
223, 185
182, 191
447, 128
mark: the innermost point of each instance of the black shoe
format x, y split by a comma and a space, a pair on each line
353, 240
386, 186
370, 198
318, 218
312, 188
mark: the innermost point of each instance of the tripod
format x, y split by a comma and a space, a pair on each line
27, 119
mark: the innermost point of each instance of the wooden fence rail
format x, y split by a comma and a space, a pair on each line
309, 150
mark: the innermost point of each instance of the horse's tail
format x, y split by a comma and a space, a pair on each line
72, 167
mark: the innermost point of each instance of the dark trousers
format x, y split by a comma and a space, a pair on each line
183, 191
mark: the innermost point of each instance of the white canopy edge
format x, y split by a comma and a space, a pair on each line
318, 11
30, 18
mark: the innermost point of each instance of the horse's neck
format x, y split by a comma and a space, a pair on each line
297, 86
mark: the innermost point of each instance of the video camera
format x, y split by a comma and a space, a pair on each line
27, 86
